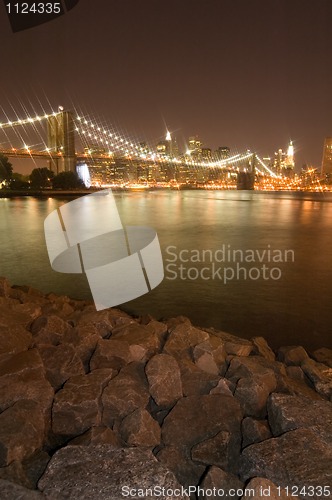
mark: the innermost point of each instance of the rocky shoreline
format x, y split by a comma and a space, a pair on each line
101, 405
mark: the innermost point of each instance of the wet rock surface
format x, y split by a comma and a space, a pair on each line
92, 401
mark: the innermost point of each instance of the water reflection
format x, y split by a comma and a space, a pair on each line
294, 309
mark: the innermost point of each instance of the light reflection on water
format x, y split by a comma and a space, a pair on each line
293, 310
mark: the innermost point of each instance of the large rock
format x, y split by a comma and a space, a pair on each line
27, 472
10, 318
164, 379
12, 491
187, 472
182, 339
262, 348
144, 340
297, 458
125, 393
254, 431
104, 473
14, 340
194, 380
323, 355
110, 354
320, 375
256, 379
61, 362
22, 429
49, 330
292, 355
78, 405
98, 435
233, 345
210, 356
140, 429
84, 339
213, 418
288, 412
5, 287
224, 484
104, 321
24, 374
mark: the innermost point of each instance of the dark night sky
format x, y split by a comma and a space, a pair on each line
247, 74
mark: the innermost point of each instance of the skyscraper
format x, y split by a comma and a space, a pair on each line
327, 156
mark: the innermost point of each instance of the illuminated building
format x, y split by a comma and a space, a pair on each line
290, 156
279, 164
206, 154
327, 156
194, 147
168, 147
223, 152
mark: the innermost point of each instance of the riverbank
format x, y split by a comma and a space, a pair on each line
105, 405
43, 193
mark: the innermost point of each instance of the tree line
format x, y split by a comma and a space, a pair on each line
40, 178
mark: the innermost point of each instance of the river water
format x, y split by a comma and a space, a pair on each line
250, 263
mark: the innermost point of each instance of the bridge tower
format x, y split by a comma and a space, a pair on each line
61, 139
246, 179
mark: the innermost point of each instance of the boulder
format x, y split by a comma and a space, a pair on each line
182, 339
14, 340
22, 431
221, 450
194, 380
255, 379
125, 393
288, 412
110, 354
292, 355
77, 406
323, 355
61, 362
297, 458
262, 348
233, 345
84, 339
225, 485
103, 321
297, 387
224, 386
179, 462
5, 287
103, 472
12, 491
254, 431
144, 340
28, 472
98, 435
259, 487
196, 419
164, 378
49, 330
210, 356
320, 375
10, 318
24, 374
140, 429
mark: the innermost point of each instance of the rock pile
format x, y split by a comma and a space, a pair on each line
106, 406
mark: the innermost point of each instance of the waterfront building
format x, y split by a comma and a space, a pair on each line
327, 156
223, 152
195, 147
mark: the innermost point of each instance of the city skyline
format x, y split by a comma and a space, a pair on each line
249, 76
